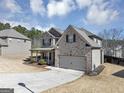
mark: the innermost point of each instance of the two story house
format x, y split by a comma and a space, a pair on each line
13, 44
76, 49
46, 50
79, 49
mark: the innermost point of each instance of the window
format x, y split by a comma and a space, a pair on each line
71, 38
50, 56
87, 45
43, 55
74, 38
50, 41
66, 38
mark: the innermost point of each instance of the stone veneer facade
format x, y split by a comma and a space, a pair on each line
77, 48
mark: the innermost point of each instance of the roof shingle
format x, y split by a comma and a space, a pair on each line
12, 33
55, 32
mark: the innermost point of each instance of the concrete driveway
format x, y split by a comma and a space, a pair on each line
38, 81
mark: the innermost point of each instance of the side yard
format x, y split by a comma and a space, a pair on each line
103, 83
8, 65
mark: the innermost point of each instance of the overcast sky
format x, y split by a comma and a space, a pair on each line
93, 15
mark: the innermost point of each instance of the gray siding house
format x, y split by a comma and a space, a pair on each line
46, 46
114, 48
79, 49
13, 44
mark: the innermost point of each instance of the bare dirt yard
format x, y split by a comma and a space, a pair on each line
9, 65
103, 83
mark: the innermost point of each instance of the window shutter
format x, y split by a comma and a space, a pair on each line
66, 38
50, 56
43, 55
50, 40
74, 38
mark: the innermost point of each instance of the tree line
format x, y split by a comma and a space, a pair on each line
32, 33
113, 39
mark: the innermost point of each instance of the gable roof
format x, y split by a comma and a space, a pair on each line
46, 32
83, 35
55, 32
13, 34
90, 34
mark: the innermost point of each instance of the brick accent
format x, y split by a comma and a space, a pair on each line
77, 48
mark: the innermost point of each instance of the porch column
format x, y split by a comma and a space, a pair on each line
31, 55
48, 57
36, 55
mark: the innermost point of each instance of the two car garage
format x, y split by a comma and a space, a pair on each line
72, 62
80, 63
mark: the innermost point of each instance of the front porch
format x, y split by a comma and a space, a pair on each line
48, 54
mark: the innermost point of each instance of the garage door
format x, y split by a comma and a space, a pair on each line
72, 62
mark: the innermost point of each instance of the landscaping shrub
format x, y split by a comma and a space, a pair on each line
29, 61
42, 62
32, 60
97, 71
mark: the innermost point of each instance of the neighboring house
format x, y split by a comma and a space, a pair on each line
116, 52
46, 46
76, 49
13, 44
79, 49
114, 48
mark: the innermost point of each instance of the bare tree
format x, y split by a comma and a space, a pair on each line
111, 39
112, 34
